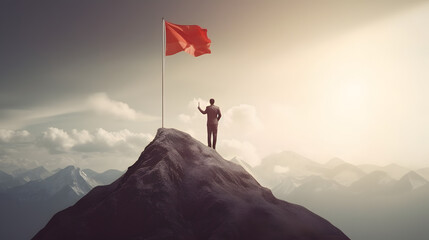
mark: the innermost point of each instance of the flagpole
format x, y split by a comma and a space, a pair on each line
162, 79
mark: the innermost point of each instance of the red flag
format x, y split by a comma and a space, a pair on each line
189, 38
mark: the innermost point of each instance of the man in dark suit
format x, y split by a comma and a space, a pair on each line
213, 116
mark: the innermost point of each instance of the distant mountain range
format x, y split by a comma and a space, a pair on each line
365, 201
32, 174
274, 169
29, 198
9, 181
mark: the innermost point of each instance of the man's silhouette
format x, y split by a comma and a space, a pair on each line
213, 116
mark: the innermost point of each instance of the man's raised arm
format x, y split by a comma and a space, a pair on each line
203, 112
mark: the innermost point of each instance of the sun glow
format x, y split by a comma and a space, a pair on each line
352, 95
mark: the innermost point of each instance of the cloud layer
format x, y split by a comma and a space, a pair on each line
12, 136
54, 147
59, 141
101, 103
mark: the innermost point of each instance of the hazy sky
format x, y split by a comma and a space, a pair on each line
80, 80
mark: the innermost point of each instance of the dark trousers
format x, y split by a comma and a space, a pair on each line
212, 129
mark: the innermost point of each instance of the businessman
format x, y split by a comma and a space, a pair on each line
213, 116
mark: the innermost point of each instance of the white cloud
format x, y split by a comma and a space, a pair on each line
281, 169
185, 118
243, 117
120, 141
82, 136
242, 150
99, 103
56, 140
12, 136
194, 103
98, 149
102, 104
124, 141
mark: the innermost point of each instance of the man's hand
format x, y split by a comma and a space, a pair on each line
203, 112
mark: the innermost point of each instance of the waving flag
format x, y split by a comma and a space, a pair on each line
189, 38
176, 38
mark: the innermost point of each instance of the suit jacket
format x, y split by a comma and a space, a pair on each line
213, 114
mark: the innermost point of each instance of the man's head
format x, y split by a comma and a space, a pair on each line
211, 101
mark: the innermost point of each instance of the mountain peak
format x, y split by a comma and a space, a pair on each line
412, 180
334, 162
414, 175
5, 176
375, 182
181, 189
177, 142
71, 176
34, 174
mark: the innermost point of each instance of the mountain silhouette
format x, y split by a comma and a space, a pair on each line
275, 167
28, 207
34, 174
181, 189
378, 182
411, 181
424, 172
8, 181
5, 177
345, 174
334, 162
105, 177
